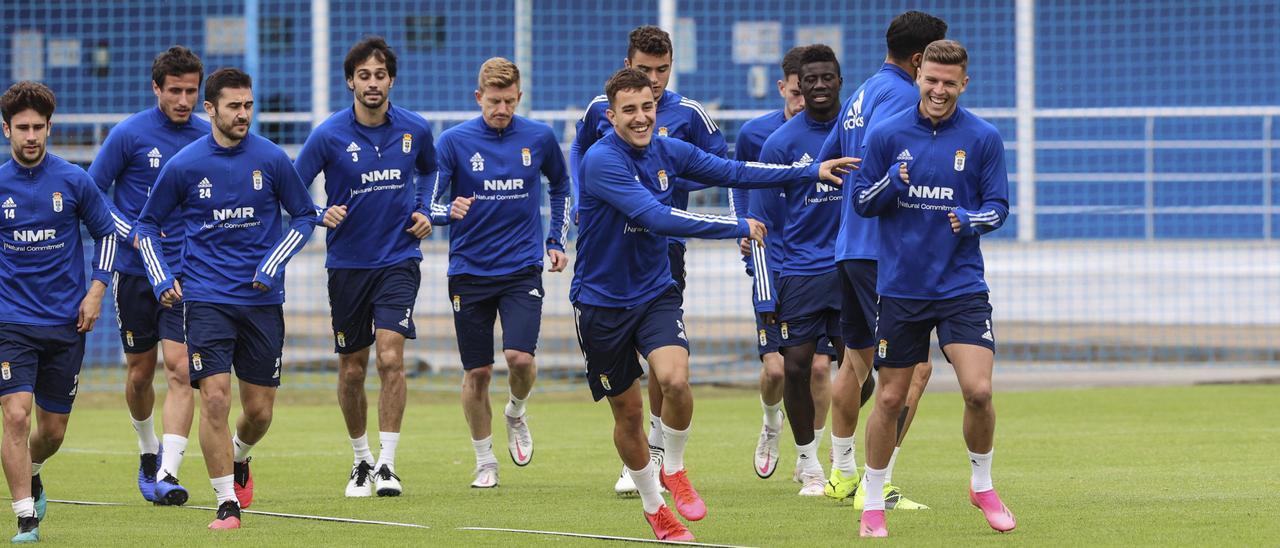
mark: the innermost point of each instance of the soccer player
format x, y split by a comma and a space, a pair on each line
807, 305
489, 189
130, 159
372, 155
45, 308
747, 148
884, 94
626, 303
935, 177
649, 50
229, 189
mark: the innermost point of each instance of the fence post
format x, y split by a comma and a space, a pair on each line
1149, 179
319, 61
1025, 76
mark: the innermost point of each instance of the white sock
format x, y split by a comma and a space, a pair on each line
175, 447
484, 452
387, 452
655, 431
147, 442
36, 467
875, 489
844, 461
360, 446
808, 456
26, 508
515, 406
817, 436
772, 415
647, 484
242, 448
674, 441
981, 479
222, 488
888, 472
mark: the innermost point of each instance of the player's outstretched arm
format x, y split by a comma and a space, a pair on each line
875, 196
559, 186
994, 191
441, 184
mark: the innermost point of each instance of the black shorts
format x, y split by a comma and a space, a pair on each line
859, 303
675, 254
364, 300
143, 320
44, 360
613, 339
248, 338
769, 335
905, 325
516, 298
808, 308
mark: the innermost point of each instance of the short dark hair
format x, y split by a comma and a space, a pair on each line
370, 46
791, 62
947, 52
625, 79
27, 95
175, 61
818, 53
648, 39
226, 77
910, 32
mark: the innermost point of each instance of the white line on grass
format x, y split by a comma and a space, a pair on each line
601, 537
319, 518
88, 502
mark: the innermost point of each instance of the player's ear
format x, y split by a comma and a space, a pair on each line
626, 62
209, 109
155, 88
7, 133
478, 98
608, 113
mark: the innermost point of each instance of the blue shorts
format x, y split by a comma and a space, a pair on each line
905, 325
143, 320
769, 335
44, 360
808, 308
364, 300
250, 338
613, 339
476, 300
859, 303
675, 254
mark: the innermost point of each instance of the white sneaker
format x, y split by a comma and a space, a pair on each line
766, 453
386, 483
519, 440
625, 485
814, 484
486, 476
361, 482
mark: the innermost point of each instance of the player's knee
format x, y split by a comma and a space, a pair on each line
674, 383
140, 377
477, 380
891, 401
821, 367
352, 372
390, 360
518, 362
17, 420
215, 401
52, 437
258, 415
978, 397
772, 375
797, 370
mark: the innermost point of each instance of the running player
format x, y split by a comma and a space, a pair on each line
372, 154
807, 308
229, 189
884, 94
489, 189
649, 50
936, 178
130, 159
625, 300
43, 200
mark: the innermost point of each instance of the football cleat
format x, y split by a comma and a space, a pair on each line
243, 484
519, 440
893, 500
873, 524
29, 531
998, 515
228, 516
688, 502
812, 484
386, 483
766, 453
486, 476
169, 493
360, 484
840, 486
40, 498
148, 466
666, 526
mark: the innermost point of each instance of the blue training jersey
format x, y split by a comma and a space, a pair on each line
42, 278
808, 227
761, 204
130, 159
887, 92
956, 167
382, 174
676, 117
230, 201
626, 215
502, 170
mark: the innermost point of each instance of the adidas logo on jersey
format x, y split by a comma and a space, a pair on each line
8, 202
804, 160
155, 153
204, 183
353, 147
905, 156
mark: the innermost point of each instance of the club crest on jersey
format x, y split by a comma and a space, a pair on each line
406, 144
525, 157
57, 202
662, 179
786, 334
195, 361
4, 371
128, 338
662, 131
457, 303
604, 379
764, 339
342, 339
959, 165
883, 349
257, 179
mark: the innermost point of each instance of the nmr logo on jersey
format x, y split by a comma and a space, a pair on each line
504, 184
931, 192
35, 235
233, 213
379, 175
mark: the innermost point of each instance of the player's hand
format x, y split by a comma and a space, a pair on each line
902, 173
757, 231
172, 295
834, 171
334, 215
91, 307
558, 260
955, 222
461, 205
769, 318
744, 246
421, 226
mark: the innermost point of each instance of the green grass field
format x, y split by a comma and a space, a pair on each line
1147, 466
